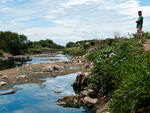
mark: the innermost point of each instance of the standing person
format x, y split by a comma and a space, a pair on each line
139, 25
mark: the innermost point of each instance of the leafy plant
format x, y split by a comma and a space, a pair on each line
133, 93
122, 73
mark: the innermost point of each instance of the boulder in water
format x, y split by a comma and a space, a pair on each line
57, 90
81, 81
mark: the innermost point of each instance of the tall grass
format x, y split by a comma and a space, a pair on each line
133, 93
122, 73
75, 51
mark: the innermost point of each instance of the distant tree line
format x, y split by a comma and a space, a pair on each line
45, 44
84, 43
18, 44
80, 47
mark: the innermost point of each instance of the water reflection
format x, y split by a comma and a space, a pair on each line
16, 62
33, 99
12, 62
51, 59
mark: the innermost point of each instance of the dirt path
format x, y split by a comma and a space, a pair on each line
146, 46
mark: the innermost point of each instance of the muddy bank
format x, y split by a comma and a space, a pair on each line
34, 73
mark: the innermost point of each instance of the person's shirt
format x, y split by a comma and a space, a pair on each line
140, 24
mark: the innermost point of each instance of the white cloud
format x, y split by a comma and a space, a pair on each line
71, 20
79, 2
57, 33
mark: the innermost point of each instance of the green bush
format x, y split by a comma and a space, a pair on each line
107, 61
1, 54
34, 51
70, 44
77, 51
102, 78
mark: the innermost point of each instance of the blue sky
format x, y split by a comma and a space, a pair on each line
145, 2
72, 20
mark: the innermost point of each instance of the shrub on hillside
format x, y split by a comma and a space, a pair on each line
77, 51
106, 72
34, 51
122, 73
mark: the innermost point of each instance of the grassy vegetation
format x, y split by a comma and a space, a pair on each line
80, 48
133, 92
75, 51
1, 54
121, 69
122, 73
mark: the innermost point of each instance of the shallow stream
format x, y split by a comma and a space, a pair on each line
32, 98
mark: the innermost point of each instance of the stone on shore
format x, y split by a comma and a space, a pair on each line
81, 81
3, 83
54, 68
69, 101
86, 66
21, 76
87, 92
89, 100
5, 77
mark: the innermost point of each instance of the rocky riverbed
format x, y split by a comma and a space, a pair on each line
34, 73
38, 72
85, 97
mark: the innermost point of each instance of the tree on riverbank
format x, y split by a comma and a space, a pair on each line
18, 44
13, 43
43, 45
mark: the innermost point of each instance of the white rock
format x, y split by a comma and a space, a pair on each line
90, 100
60, 103
21, 76
4, 77
57, 90
3, 83
87, 92
42, 86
